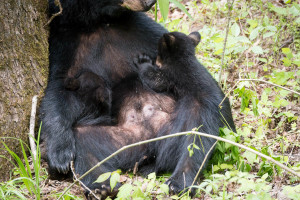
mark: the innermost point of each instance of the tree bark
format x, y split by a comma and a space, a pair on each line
23, 69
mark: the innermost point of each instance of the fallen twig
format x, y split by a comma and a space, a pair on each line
83, 185
57, 2
31, 126
202, 165
259, 80
225, 42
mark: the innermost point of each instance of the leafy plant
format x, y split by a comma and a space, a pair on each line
31, 179
164, 6
143, 189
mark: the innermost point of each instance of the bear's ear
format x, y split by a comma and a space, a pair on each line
168, 40
196, 37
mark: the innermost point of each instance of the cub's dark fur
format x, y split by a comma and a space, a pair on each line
178, 72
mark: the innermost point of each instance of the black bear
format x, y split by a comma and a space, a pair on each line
103, 37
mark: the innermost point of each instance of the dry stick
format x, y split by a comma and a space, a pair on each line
31, 126
76, 179
259, 80
56, 14
176, 135
271, 84
202, 165
225, 42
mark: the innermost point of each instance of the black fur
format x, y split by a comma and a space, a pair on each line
197, 104
103, 38
99, 36
93, 91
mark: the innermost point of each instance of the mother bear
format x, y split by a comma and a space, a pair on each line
103, 37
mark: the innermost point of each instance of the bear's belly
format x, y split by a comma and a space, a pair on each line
144, 113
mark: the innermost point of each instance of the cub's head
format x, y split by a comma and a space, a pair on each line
175, 46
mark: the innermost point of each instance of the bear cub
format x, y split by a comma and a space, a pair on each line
177, 72
92, 90
176, 69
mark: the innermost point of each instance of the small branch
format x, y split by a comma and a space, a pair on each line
202, 165
287, 43
177, 135
31, 126
225, 42
76, 179
259, 80
293, 91
57, 3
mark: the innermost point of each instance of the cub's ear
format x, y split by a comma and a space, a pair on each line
168, 39
196, 37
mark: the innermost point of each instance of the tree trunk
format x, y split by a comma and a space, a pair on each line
23, 69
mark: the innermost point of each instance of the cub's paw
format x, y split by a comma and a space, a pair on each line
103, 192
142, 60
174, 187
60, 154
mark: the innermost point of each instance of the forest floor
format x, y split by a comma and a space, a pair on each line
261, 61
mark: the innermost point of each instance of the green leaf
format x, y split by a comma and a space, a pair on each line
254, 33
103, 177
138, 194
181, 7
226, 166
254, 101
191, 152
279, 10
115, 178
218, 39
150, 186
243, 39
164, 8
266, 20
286, 62
196, 147
265, 176
281, 78
125, 191
152, 176
252, 23
292, 191
251, 157
268, 34
257, 50
295, 11
235, 30
263, 60
297, 62
235, 152
164, 188
286, 50
219, 51
271, 28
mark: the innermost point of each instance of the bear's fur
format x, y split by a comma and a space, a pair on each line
104, 37
177, 71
